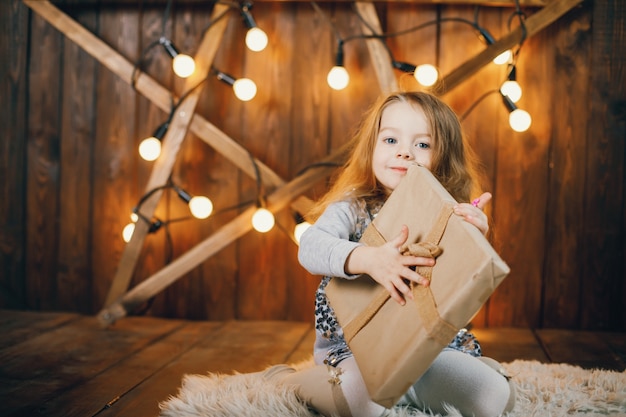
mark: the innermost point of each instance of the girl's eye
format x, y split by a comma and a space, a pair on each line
422, 145
390, 140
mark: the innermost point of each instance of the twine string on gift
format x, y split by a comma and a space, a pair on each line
436, 327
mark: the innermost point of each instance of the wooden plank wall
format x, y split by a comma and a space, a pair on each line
70, 173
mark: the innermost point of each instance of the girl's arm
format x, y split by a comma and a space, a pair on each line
326, 249
325, 246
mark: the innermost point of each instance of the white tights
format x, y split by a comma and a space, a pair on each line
465, 382
455, 378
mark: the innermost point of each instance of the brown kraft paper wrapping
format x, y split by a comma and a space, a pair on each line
393, 344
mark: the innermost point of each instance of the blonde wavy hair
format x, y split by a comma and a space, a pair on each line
453, 161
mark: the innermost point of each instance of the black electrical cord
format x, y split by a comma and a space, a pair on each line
476, 103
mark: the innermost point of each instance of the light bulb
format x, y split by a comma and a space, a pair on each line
426, 75
245, 89
128, 231
512, 89
184, 65
338, 78
263, 220
256, 39
299, 230
134, 217
519, 120
201, 207
503, 58
150, 148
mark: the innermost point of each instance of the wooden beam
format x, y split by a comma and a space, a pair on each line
533, 24
487, 3
378, 53
213, 244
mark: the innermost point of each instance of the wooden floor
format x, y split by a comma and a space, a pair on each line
58, 364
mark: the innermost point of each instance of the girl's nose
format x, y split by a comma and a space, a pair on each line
404, 154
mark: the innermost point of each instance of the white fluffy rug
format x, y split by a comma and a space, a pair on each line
543, 390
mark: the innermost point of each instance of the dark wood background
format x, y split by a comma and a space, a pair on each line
70, 172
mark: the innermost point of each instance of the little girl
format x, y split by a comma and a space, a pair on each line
400, 129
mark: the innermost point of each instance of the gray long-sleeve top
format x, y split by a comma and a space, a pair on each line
324, 249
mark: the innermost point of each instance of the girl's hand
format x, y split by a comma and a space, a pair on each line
473, 212
388, 267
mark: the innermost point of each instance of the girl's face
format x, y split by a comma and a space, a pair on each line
403, 139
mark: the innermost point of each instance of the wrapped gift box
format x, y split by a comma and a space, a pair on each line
393, 344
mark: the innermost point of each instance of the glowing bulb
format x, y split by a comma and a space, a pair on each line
201, 207
519, 120
184, 65
263, 220
299, 230
128, 231
426, 75
150, 148
256, 39
338, 78
503, 58
134, 217
512, 89
245, 89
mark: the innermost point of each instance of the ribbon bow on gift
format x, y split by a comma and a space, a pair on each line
425, 250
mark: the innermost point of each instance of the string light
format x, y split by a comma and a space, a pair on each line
244, 88
503, 58
511, 87
426, 75
338, 77
150, 148
200, 207
128, 231
256, 39
263, 220
519, 119
301, 227
183, 65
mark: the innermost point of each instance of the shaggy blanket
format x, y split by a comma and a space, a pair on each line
542, 390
